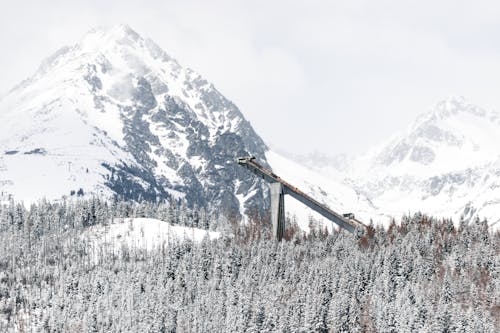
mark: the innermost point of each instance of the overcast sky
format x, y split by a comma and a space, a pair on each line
327, 76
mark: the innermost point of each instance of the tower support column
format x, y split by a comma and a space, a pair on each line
278, 210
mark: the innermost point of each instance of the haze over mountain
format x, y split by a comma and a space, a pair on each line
115, 115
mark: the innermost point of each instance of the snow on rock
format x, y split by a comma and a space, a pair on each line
141, 233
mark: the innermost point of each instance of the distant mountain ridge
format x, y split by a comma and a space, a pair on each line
447, 164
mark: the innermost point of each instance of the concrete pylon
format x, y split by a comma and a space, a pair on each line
278, 210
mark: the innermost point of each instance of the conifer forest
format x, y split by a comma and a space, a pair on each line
418, 275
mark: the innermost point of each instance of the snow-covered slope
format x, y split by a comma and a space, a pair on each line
141, 233
327, 189
114, 114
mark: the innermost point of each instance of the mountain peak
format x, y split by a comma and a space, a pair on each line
457, 104
451, 107
120, 34
117, 45
123, 29
454, 134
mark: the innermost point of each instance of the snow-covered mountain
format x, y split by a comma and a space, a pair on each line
447, 163
114, 114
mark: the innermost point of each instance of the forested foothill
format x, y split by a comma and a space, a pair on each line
420, 274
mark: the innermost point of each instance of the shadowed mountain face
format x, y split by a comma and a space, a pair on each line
114, 114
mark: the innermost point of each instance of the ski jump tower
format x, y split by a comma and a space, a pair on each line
279, 188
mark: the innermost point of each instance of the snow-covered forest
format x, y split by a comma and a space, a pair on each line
419, 275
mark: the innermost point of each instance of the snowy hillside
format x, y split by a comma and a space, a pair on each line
141, 233
115, 115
